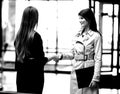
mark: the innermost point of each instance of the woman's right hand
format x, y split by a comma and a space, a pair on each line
57, 57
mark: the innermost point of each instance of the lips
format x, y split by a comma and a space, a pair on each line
82, 24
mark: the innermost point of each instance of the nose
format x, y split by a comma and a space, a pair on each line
80, 21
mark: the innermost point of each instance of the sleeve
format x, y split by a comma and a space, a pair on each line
97, 57
15, 61
38, 49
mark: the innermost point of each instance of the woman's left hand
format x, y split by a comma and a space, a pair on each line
93, 84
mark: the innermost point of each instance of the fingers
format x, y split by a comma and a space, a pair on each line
93, 84
56, 58
90, 85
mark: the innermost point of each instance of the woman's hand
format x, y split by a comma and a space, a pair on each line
93, 84
57, 57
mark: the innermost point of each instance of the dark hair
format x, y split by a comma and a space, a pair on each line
26, 31
89, 16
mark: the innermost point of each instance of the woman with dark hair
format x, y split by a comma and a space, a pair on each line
30, 58
86, 55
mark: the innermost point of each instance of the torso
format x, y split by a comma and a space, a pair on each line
84, 44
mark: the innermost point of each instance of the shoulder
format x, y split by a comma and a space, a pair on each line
37, 35
97, 34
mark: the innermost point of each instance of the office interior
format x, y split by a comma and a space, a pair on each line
58, 22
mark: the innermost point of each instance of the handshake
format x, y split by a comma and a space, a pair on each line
57, 57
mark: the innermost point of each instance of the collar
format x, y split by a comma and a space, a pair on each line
90, 32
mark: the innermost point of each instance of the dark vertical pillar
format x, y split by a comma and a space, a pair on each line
0, 28
118, 47
1, 85
90, 4
118, 51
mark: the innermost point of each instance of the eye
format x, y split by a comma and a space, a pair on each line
80, 17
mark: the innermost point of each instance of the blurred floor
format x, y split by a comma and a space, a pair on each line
54, 84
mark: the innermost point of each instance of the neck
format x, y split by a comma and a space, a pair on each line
85, 30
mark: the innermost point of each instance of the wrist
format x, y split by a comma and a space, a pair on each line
61, 57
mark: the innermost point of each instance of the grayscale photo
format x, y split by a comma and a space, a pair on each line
60, 47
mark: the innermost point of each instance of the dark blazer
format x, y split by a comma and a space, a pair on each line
30, 73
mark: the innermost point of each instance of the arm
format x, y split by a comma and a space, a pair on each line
66, 56
61, 56
37, 49
98, 61
54, 57
98, 58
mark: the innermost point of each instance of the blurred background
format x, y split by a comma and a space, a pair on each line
58, 22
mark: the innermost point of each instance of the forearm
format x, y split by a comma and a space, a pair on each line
97, 70
50, 58
66, 56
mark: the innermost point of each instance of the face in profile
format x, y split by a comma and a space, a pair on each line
83, 22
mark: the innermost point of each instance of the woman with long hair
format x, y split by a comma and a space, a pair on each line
30, 57
86, 55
